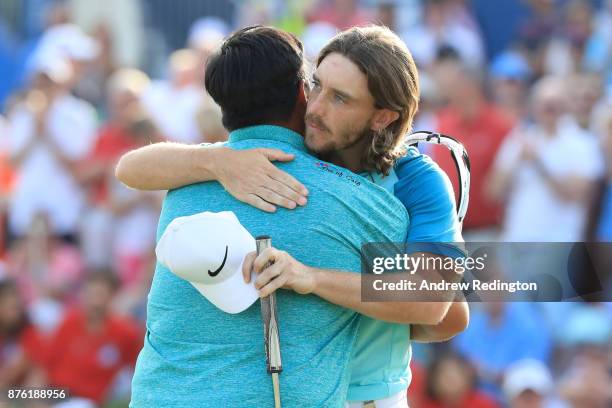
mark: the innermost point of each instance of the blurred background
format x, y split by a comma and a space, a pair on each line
526, 85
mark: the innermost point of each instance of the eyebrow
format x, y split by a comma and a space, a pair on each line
337, 91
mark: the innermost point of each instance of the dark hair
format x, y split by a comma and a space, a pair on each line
436, 366
255, 76
392, 81
9, 287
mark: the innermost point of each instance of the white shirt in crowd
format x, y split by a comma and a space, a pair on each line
535, 213
135, 230
424, 43
174, 110
43, 183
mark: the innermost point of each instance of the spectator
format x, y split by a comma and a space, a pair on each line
174, 104
585, 95
481, 127
599, 227
118, 135
204, 35
6, 182
535, 32
586, 383
342, 14
510, 76
92, 344
451, 383
80, 50
48, 271
445, 25
546, 172
121, 223
564, 52
20, 343
50, 131
528, 384
598, 52
122, 19
500, 334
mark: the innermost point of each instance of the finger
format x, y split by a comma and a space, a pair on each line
276, 155
273, 197
258, 202
247, 266
266, 256
268, 274
284, 191
272, 286
288, 180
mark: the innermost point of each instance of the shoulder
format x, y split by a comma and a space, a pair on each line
427, 194
77, 104
417, 171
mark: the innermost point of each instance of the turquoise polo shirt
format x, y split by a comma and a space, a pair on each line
195, 355
381, 357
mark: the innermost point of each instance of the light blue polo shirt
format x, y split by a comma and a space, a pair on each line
195, 355
381, 358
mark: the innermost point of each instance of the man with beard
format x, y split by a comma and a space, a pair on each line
363, 99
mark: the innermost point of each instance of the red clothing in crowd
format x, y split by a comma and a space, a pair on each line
475, 399
482, 137
87, 362
113, 141
29, 341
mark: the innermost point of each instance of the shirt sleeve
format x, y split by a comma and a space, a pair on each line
509, 152
426, 192
20, 131
83, 127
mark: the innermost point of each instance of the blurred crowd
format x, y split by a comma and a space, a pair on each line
525, 85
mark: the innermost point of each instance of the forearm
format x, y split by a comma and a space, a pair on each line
19, 156
344, 289
569, 189
456, 320
166, 165
498, 184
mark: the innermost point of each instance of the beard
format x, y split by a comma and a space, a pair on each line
326, 143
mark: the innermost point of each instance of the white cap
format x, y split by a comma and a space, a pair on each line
69, 40
527, 374
315, 36
53, 65
207, 250
207, 30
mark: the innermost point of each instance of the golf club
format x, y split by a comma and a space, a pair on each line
270, 325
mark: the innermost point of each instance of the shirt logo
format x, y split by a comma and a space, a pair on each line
339, 173
216, 272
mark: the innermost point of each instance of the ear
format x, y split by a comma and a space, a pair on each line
302, 95
383, 118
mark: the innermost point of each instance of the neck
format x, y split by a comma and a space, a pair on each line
469, 107
295, 122
351, 157
550, 129
95, 319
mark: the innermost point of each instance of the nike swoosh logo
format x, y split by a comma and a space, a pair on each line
216, 272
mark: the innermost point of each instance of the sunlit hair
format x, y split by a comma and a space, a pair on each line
392, 81
128, 80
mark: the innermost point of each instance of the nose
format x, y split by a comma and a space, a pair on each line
315, 104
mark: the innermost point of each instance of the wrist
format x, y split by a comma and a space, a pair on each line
209, 162
316, 278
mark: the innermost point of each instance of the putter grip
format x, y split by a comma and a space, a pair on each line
270, 319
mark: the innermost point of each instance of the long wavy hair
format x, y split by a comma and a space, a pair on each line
392, 81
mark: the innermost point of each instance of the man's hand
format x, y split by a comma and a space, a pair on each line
277, 269
250, 176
